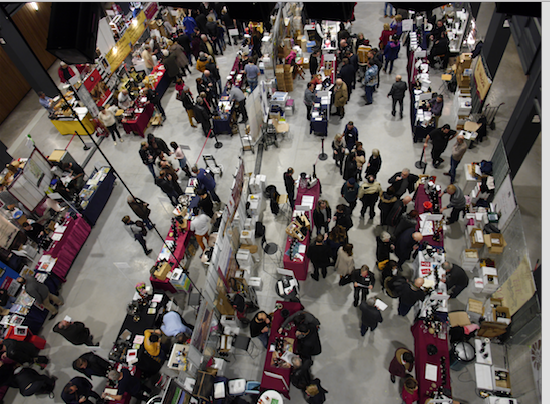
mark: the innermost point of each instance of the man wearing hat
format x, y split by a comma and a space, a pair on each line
401, 364
349, 192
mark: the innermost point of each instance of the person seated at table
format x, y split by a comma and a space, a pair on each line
315, 393
126, 383
77, 174
301, 377
41, 294
173, 325
308, 343
401, 363
300, 317
89, 364
78, 390
260, 326
75, 332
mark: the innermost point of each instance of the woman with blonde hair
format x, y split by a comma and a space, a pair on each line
385, 36
315, 393
344, 261
374, 164
322, 215
338, 150
397, 24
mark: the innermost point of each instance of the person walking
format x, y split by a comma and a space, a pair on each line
371, 80
368, 194
397, 93
75, 332
390, 52
148, 158
309, 99
289, 185
108, 119
182, 160
401, 364
349, 192
188, 104
41, 294
458, 151
319, 254
141, 209
137, 231
363, 281
370, 315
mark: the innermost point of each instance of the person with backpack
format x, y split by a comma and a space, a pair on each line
137, 231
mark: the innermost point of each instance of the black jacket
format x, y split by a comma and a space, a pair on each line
456, 277
96, 365
369, 280
404, 244
410, 296
146, 154
289, 183
397, 184
201, 115
20, 351
301, 377
255, 327
398, 90
213, 69
187, 101
382, 250
318, 218
370, 315
350, 168
319, 398
83, 388
319, 254
311, 344
344, 219
347, 73
76, 333
185, 42
164, 184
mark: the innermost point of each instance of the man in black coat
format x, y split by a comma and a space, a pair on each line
319, 253
75, 332
342, 217
202, 116
347, 74
397, 92
403, 181
89, 364
78, 390
363, 280
370, 315
440, 139
23, 352
409, 295
455, 279
185, 43
289, 185
407, 241
300, 376
308, 343
30, 382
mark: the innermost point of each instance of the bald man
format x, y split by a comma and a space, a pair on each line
397, 92
409, 295
407, 241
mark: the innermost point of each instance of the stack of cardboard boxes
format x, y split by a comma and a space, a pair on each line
463, 102
283, 73
462, 70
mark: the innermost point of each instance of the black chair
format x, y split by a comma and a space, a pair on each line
245, 343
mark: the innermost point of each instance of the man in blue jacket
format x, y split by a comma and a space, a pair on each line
207, 182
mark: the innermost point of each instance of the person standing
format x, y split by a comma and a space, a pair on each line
319, 254
401, 363
309, 99
141, 209
148, 158
363, 281
350, 167
397, 93
403, 181
455, 278
137, 232
368, 194
390, 52
78, 390
289, 185
409, 295
370, 315
89, 364
347, 73
349, 192
30, 382
371, 80
45, 101
436, 108
314, 63
236, 94
182, 160
75, 332
345, 263
188, 104
40, 293
206, 181
440, 139
351, 136
154, 98
147, 59
342, 217
459, 148
202, 116
339, 151
205, 203
126, 383
260, 327
124, 99
308, 342
200, 226
322, 216
374, 164
252, 74
407, 241
108, 119
341, 96
457, 202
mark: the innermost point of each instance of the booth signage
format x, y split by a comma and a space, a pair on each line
124, 45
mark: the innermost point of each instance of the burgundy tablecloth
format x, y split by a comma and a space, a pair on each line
300, 268
140, 123
66, 249
421, 358
419, 198
268, 382
179, 252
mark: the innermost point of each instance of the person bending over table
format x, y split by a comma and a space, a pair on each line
75, 332
401, 364
260, 327
457, 202
78, 390
300, 377
300, 317
173, 325
41, 294
455, 278
89, 364
126, 383
308, 343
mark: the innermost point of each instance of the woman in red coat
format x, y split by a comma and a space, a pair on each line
385, 36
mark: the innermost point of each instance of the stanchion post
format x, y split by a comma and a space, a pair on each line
420, 164
323, 156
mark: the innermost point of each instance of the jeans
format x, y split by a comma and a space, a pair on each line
151, 167
264, 337
452, 170
183, 166
253, 84
368, 200
147, 222
394, 101
112, 130
386, 5
141, 240
308, 108
386, 65
369, 90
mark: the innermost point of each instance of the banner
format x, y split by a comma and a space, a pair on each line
97, 88
483, 82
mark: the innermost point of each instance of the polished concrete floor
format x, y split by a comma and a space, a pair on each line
351, 368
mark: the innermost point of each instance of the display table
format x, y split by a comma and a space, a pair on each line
300, 268
70, 126
139, 124
270, 382
420, 197
179, 251
162, 80
422, 338
96, 193
270, 396
320, 114
66, 249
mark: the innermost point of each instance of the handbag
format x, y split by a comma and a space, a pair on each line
344, 280
179, 96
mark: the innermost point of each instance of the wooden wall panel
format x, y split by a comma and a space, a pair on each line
13, 85
34, 28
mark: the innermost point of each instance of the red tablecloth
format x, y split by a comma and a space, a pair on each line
421, 358
179, 252
139, 124
300, 268
419, 198
269, 382
66, 249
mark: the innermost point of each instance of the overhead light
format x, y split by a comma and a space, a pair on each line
114, 49
34, 5
135, 22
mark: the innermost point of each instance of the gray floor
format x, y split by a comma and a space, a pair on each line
351, 368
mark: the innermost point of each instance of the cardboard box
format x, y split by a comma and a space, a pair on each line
459, 319
475, 306
502, 315
476, 243
489, 329
503, 384
495, 243
162, 271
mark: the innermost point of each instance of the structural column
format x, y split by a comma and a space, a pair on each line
495, 42
23, 57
